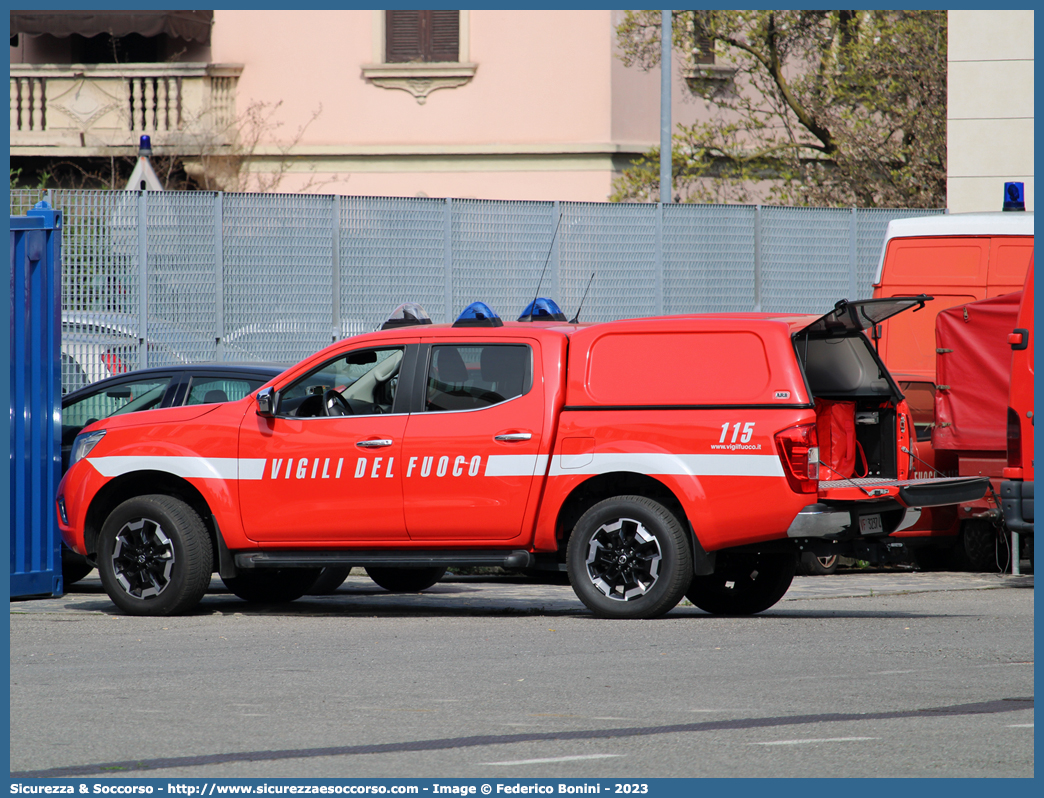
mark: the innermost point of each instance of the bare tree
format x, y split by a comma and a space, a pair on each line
201, 156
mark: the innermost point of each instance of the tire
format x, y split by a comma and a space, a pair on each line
272, 585
628, 557
743, 584
328, 581
976, 548
154, 556
811, 565
406, 580
74, 566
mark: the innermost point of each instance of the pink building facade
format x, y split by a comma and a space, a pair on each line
536, 106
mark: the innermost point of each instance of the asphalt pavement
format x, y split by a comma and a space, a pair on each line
858, 674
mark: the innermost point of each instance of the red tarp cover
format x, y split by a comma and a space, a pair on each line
972, 413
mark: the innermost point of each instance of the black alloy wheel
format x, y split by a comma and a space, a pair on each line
628, 558
155, 556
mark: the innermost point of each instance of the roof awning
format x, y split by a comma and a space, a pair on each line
193, 25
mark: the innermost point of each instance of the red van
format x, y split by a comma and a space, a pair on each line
958, 259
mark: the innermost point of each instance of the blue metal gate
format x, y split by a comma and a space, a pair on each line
36, 456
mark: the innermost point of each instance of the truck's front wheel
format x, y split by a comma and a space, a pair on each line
154, 556
743, 584
628, 558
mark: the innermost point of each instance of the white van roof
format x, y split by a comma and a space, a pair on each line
1000, 223
1011, 223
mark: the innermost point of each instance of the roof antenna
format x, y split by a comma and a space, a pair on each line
576, 318
540, 282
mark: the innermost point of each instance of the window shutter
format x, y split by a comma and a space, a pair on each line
402, 36
704, 43
418, 36
445, 35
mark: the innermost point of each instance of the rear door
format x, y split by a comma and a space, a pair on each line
470, 457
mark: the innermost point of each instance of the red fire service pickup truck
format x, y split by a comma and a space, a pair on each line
654, 458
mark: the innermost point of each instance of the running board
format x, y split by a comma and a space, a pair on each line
391, 559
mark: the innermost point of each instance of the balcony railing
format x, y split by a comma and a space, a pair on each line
101, 109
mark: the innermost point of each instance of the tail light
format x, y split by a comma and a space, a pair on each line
799, 450
1014, 440
113, 363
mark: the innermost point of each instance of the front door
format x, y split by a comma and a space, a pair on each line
331, 456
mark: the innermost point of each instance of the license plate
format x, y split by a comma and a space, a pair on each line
870, 525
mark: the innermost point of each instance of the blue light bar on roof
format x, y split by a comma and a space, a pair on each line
478, 314
542, 309
406, 315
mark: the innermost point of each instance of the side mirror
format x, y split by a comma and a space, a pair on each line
266, 401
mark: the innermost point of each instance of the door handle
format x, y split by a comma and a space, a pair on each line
375, 444
513, 436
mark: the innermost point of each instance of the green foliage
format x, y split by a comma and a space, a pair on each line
40, 182
833, 108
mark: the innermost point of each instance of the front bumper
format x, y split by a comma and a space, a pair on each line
1017, 505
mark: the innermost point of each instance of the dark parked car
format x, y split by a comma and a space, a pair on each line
148, 389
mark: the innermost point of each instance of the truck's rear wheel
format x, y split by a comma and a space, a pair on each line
406, 580
743, 584
154, 556
272, 585
628, 558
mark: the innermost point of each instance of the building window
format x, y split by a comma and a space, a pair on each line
703, 49
420, 52
704, 75
422, 36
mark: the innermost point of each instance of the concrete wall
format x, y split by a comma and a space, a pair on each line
989, 107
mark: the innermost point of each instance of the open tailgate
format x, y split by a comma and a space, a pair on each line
931, 492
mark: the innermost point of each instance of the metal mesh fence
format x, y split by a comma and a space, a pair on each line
278, 275
617, 244
805, 258
498, 253
275, 277
708, 253
390, 250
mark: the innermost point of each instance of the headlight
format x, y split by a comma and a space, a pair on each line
83, 444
